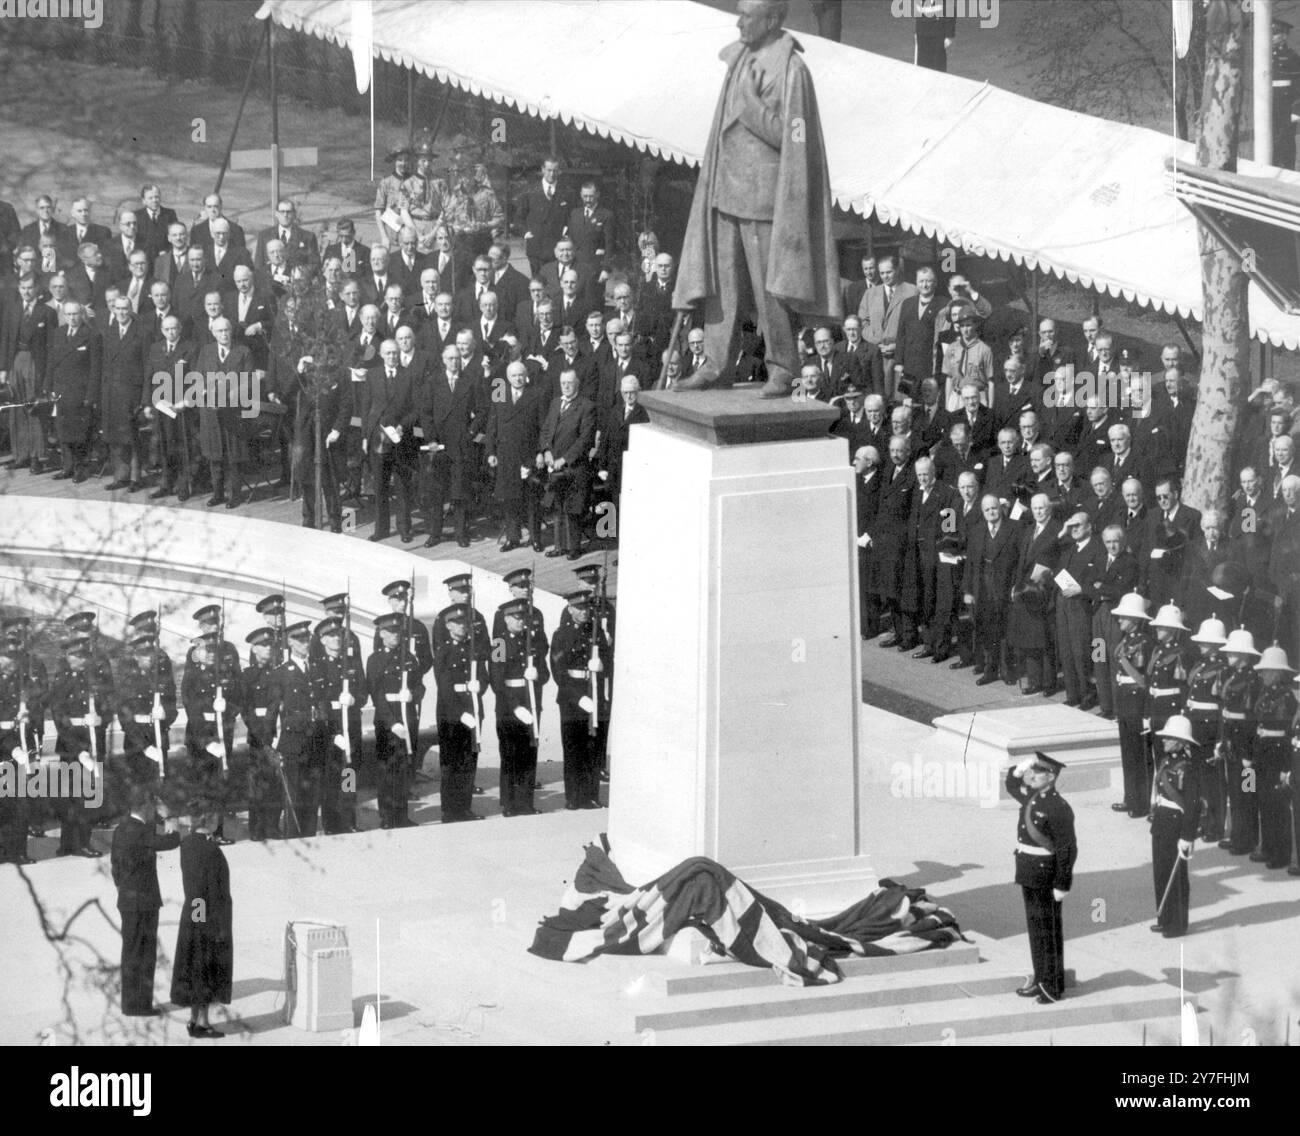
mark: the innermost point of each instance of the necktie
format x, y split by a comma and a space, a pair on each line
588, 212
889, 295
549, 192
564, 405
284, 235
514, 395
451, 382
27, 309
391, 374
221, 355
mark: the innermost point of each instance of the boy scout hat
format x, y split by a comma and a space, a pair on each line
962, 311
1274, 659
517, 608
460, 582
300, 630
396, 588
1281, 27
401, 151
331, 626
390, 621
335, 602
519, 578
144, 619
209, 614
82, 621
1050, 763
457, 613
143, 643
261, 637
274, 603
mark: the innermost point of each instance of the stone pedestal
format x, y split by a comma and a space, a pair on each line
734, 732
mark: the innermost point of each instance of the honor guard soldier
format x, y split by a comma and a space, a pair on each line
395, 680
1176, 813
520, 583
146, 708
1204, 683
519, 671
336, 607
339, 686
459, 588
271, 609
1237, 694
1045, 855
1132, 655
79, 702
264, 793
17, 757
578, 662
211, 695
84, 623
1275, 710
401, 600
459, 671
1166, 673
596, 577
211, 619
302, 732
1293, 783
15, 633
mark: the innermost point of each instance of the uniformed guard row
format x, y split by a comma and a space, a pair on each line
300, 695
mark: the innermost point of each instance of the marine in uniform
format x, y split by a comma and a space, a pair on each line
301, 731
28, 731
271, 609
339, 688
1275, 710
264, 791
146, 705
518, 671
395, 682
1237, 694
460, 664
17, 752
1045, 855
79, 701
1204, 693
1132, 655
1175, 815
400, 601
211, 696
603, 613
578, 662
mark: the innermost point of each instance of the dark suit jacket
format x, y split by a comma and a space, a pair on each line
360, 259
152, 235
1165, 574
543, 217
381, 401
1111, 582
300, 248
1001, 476
512, 431
187, 294
65, 250
166, 269
866, 365
915, 346
75, 364
399, 273
201, 235
983, 435
592, 239
1109, 511
615, 433
570, 435
261, 309
451, 420
512, 290
224, 273
1008, 406
122, 381
135, 864
33, 330
990, 564
85, 291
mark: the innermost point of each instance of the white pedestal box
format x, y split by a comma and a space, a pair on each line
734, 726
318, 965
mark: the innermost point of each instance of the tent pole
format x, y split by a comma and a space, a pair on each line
239, 114
275, 116
410, 108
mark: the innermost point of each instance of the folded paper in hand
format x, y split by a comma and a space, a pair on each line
1067, 583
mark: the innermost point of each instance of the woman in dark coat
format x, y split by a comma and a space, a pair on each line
205, 947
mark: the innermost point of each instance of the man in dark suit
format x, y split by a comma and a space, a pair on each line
587, 292
346, 317
855, 289
933, 510
624, 364
986, 582
386, 405
1207, 551
160, 307
591, 229
439, 332
299, 243
46, 225
979, 420
407, 264
135, 285
1134, 516
82, 229
1123, 463
9, 229
75, 364
954, 455
376, 277
1092, 447
527, 311
123, 386
136, 844
564, 445
465, 303
889, 537
915, 349
510, 285
254, 316
201, 234
615, 433
1161, 569
490, 327
1104, 504
1115, 577
1069, 493
835, 368
514, 422
169, 265
193, 285
450, 418
353, 256
222, 438
174, 431
26, 326
392, 311
542, 341
1074, 605
866, 366
1052, 354
152, 220
1013, 394
1006, 468
88, 282
542, 214
225, 257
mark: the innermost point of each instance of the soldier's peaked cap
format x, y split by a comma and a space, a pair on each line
1040, 758
143, 643
206, 637
208, 614
82, 621
330, 626
1281, 27
143, 619
299, 630
273, 602
339, 600
396, 588
579, 598
461, 580
518, 578
590, 573
390, 621
518, 608
261, 637
457, 613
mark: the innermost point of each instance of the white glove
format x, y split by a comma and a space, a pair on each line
1059, 895
341, 742
596, 665
19, 755
400, 731
154, 754
304, 362
468, 720
93, 720
157, 714
1146, 723
864, 541
219, 704
475, 686
331, 437
530, 674
405, 696
86, 763
346, 699
585, 703
1023, 767
215, 749
1185, 849
524, 715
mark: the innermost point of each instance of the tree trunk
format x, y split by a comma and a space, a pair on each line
1225, 367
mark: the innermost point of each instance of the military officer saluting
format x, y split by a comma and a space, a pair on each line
1204, 690
1275, 710
1176, 813
1045, 855
578, 660
460, 669
395, 681
518, 672
1237, 694
264, 792
1132, 654
339, 687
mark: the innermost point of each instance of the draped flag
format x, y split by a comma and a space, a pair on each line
602, 914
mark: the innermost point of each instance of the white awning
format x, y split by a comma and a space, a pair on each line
986, 171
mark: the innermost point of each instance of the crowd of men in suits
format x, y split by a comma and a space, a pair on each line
279, 732
443, 382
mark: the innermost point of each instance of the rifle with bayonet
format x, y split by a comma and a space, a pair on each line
405, 664
476, 700
528, 662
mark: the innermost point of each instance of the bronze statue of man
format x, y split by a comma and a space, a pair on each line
759, 235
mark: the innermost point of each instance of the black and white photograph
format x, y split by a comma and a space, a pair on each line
651, 523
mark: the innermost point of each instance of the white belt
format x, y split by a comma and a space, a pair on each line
141, 719
1193, 704
516, 682
1235, 715
1167, 803
336, 706
77, 721
460, 688
1124, 680
577, 674
1268, 732
1031, 849
1281, 82
6, 725
260, 711
398, 696
210, 717
1164, 691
